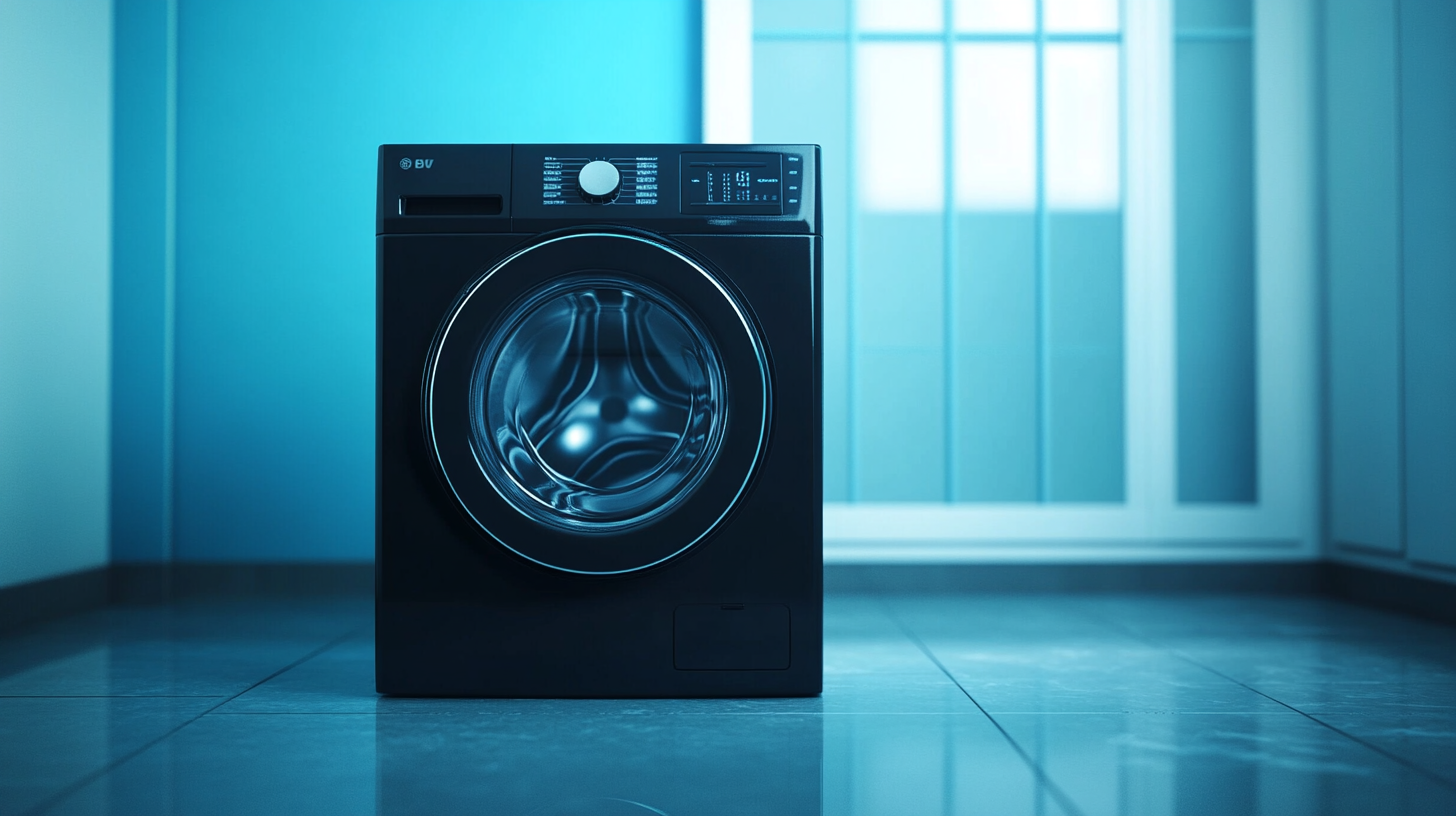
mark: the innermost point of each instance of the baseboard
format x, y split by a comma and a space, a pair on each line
1398, 592
1300, 577
158, 583
39, 601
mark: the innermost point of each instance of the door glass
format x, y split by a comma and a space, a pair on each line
598, 404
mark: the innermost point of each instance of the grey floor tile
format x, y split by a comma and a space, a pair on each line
47, 744
1273, 763
190, 648
547, 763
564, 762
1365, 699
1088, 676
1009, 618
1130, 705
1316, 662
863, 675
1426, 738
932, 764
339, 680
154, 668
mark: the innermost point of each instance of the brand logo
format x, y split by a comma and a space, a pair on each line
418, 164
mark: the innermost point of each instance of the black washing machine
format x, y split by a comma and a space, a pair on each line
598, 452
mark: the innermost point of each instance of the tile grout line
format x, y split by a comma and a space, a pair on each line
1037, 771
65, 792
1396, 758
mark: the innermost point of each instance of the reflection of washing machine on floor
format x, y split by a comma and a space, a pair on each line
598, 460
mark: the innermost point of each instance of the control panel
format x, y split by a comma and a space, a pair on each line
585, 180
738, 183
527, 188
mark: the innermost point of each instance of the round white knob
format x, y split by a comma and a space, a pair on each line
598, 181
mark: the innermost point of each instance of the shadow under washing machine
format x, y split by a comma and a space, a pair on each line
598, 449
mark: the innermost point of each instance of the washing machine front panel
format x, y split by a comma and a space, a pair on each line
597, 401
598, 450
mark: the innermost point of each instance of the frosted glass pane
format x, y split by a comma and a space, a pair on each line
995, 16
995, 127
1216, 307
901, 15
799, 15
899, 383
997, 452
900, 125
1083, 399
1085, 16
1082, 127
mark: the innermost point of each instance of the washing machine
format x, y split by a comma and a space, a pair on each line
598, 421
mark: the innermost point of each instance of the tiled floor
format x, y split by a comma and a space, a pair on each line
932, 705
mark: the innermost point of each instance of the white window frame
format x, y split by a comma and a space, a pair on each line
1150, 526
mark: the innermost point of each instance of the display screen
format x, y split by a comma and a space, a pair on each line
732, 183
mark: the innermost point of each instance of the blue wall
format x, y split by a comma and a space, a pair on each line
141, 280
1428, 257
1390, 85
1362, 152
280, 108
55, 226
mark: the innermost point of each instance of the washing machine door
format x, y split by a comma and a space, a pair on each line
597, 402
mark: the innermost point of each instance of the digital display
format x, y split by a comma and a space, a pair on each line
733, 183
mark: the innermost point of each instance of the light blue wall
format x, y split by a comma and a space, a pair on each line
280, 109
141, 400
1362, 213
55, 137
1428, 252
1390, 90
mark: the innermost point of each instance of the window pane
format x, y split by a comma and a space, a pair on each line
779, 16
997, 452
1084, 375
899, 378
900, 127
1080, 16
1083, 168
995, 126
995, 16
1213, 129
899, 444
901, 15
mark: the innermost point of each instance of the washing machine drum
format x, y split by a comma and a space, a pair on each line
597, 402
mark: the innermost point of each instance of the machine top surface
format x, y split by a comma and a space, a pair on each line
461, 188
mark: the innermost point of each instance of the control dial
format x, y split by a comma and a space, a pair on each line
599, 182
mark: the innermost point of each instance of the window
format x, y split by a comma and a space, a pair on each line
1044, 318
981, 282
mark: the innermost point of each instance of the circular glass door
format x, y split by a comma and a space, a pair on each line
597, 402
599, 405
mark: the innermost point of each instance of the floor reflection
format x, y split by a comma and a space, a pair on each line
1084, 706
559, 764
